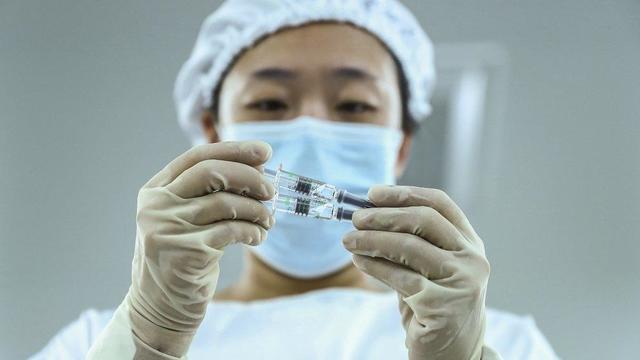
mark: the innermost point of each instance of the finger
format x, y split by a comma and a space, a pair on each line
395, 196
227, 232
213, 175
405, 311
407, 250
223, 205
421, 221
252, 153
405, 281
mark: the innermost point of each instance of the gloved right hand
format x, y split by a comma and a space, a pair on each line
202, 201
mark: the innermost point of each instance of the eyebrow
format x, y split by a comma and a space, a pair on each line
349, 72
345, 72
274, 73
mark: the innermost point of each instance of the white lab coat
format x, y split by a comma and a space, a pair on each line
323, 324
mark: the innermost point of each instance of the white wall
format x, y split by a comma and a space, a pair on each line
87, 117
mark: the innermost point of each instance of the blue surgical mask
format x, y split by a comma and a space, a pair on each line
348, 155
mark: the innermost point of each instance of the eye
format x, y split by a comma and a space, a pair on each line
355, 107
267, 105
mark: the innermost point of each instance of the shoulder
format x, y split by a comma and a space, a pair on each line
74, 340
516, 336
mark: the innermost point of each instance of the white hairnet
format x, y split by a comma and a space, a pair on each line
237, 24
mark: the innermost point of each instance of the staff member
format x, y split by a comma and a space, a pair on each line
333, 90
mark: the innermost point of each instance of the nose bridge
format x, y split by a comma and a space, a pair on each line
314, 103
315, 108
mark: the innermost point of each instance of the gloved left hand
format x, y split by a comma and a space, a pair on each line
418, 242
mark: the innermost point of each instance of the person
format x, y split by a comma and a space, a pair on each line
333, 90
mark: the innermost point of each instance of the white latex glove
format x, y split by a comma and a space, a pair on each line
418, 242
202, 201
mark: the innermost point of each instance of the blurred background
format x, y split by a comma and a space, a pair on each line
551, 181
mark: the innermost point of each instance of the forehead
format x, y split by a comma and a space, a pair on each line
317, 47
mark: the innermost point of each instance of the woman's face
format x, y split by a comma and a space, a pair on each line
331, 71
326, 70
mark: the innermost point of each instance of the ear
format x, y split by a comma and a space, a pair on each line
208, 123
403, 154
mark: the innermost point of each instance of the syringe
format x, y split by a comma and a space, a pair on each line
308, 206
314, 188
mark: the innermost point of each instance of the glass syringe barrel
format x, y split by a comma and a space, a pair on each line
310, 207
314, 188
304, 185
